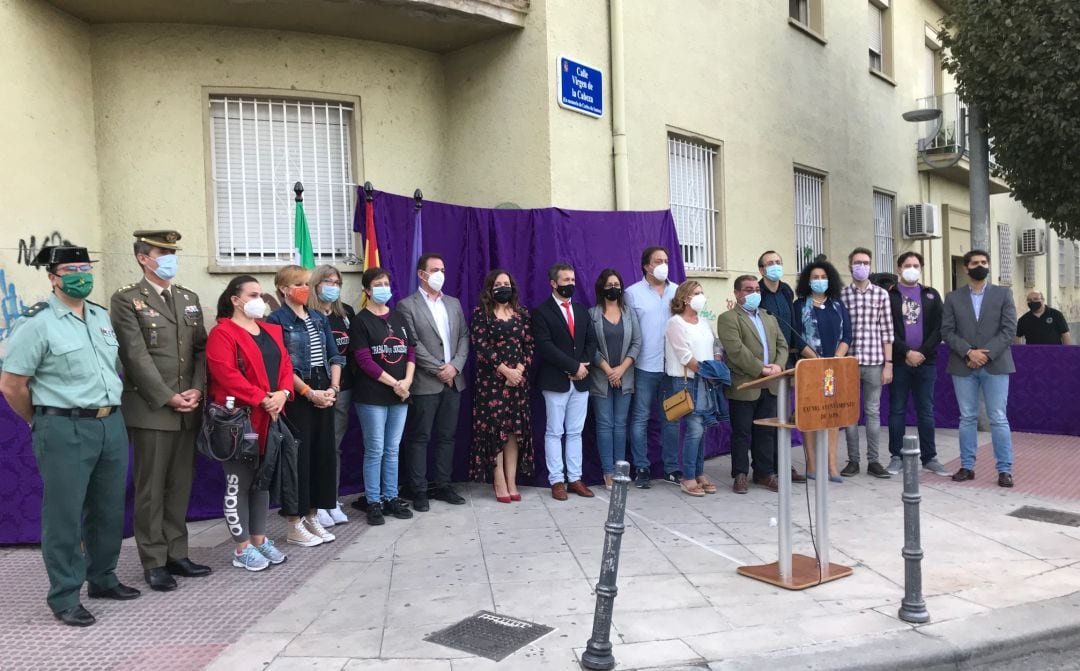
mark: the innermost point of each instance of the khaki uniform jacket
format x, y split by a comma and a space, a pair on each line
162, 351
744, 352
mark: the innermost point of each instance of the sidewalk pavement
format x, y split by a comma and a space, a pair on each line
993, 584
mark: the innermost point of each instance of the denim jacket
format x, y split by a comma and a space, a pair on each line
297, 342
707, 391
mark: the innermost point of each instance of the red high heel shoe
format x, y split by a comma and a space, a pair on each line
502, 499
515, 497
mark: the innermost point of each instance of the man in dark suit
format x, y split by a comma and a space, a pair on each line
916, 316
442, 345
565, 344
979, 325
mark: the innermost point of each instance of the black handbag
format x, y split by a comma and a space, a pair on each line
227, 433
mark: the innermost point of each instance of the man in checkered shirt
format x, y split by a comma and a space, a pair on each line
872, 338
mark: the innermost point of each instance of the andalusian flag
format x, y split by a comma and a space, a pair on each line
304, 254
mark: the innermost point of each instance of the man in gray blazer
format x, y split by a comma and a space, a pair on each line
442, 345
979, 325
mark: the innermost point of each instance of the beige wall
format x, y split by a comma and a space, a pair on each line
49, 171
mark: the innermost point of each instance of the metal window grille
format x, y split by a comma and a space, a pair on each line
1029, 271
884, 249
800, 11
1062, 275
1005, 254
809, 222
1076, 264
876, 41
260, 147
691, 180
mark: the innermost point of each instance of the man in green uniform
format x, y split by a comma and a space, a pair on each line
61, 376
160, 327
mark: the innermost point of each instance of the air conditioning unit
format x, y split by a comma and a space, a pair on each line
922, 220
1032, 242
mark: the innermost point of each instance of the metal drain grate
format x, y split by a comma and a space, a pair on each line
1062, 517
489, 635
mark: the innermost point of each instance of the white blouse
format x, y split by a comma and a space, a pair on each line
684, 341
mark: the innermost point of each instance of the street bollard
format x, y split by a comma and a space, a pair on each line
598, 650
913, 606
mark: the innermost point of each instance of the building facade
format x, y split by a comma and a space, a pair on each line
762, 124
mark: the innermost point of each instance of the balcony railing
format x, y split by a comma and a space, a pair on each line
949, 138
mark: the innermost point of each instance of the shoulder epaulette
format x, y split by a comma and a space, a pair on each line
126, 287
98, 305
35, 309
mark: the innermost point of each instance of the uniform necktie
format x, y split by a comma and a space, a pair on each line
167, 297
569, 317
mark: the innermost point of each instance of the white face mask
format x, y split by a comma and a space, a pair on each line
697, 303
660, 272
910, 275
436, 280
255, 308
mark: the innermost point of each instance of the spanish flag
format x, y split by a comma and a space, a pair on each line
371, 244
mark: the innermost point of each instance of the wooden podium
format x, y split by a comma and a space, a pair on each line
826, 397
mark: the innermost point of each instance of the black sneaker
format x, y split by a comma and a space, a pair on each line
360, 502
374, 514
852, 468
877, 470
420, 503
447, 493
398, 508
641, 480
673, 478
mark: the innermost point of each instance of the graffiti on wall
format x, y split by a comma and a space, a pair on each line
11, 306
28, 249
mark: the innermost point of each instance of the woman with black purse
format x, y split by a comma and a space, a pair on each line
247, 362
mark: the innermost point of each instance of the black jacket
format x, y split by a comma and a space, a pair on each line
558, 355
932, 310
277, 473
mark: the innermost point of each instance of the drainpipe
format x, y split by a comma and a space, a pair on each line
1049, 278
618, 106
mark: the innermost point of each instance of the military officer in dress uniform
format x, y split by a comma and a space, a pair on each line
61, 375
160, 327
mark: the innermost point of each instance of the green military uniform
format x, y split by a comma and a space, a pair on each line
162, 348
82, 456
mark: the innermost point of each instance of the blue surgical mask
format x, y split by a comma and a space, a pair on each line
381, 295
819, 286
752, 302
329, 293
774, 273
166, 266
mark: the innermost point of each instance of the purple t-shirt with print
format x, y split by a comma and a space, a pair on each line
911, 313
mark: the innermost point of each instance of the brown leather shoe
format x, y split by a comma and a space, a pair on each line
769, 482
963, 474
558, 491
740, 486
1005, 479
797, 476
579, 488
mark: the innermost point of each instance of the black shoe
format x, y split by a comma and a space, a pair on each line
119, 593
398, 508
1005, 479
673, 478
641, 480
76, 616
851, 469
160, 579
963, 474
187, 568
360, 503
447, 493
420, 503
877, 470
374, 514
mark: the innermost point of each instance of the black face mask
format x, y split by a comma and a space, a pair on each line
613, 293
1034, 307
502, 295
566, 290
978, 273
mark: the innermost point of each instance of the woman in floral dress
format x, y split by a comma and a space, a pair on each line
502, 431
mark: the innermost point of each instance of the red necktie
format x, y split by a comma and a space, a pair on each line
569, 317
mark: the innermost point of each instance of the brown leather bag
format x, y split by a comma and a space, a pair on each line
680, 404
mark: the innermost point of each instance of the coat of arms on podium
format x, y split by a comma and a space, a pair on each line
829, 382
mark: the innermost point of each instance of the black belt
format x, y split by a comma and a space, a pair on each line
76, 412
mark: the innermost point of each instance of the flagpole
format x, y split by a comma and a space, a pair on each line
417, 239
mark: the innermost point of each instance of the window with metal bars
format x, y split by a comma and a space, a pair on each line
884, 246
1029, 271
259, 148
1062, 268
1076, 264
1005, 254
809, 217
692, 168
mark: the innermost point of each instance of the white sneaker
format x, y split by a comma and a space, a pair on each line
312, 524
338, 515
299, 535
325, 518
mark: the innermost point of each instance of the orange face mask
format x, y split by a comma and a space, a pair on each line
300, 294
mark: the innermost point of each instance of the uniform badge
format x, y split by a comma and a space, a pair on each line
829, 383
138, 304
192, 310
108, 332
153, 338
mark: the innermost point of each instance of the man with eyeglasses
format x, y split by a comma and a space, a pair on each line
61, 375
162, 334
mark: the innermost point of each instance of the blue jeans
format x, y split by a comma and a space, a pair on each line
647, 394
995, 391
382, 426
918, 383
693, 453
610, 415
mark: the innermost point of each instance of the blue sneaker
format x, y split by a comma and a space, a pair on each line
272, 554
251, 559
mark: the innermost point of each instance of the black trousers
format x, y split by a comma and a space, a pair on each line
316, 460
430, 413
748, 440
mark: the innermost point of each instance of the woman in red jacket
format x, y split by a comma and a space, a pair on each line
247, 359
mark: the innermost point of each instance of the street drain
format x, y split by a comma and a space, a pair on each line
489, 635
1063, 517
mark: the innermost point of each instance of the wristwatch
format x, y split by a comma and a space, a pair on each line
288, 394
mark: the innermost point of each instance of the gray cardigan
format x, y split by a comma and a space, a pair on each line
631, 347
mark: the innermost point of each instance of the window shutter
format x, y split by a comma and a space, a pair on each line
875, 28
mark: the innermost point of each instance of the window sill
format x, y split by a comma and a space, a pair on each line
271, 268
883, 77
693, 273
802, 27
